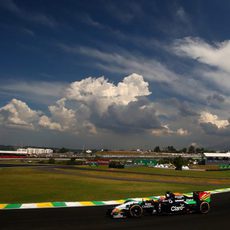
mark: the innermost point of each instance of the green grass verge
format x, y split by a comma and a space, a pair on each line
149, 177
33, 185
187, 173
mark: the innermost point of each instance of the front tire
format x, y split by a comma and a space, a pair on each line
204, 207
136, 211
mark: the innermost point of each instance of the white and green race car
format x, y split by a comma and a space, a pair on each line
171, 203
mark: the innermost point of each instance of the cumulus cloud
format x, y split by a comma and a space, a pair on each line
18, 114
65, 119
118, 108
208, 118
46, 122
95, 106
165, 131
182, 132
90, 105
100, 93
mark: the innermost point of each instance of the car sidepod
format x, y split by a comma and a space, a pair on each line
172, 207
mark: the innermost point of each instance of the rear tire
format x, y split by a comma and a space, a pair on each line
204, 207
136, 211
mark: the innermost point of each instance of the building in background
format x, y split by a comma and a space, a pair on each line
35, 151
217, 158
25, 152
12, 154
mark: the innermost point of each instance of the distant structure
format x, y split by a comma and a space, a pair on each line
12, 154
23, 152
35, 151
217, 158
88, 151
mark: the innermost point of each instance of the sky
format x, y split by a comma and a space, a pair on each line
115, 74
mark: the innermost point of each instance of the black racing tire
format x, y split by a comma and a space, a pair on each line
204, 207
136, 211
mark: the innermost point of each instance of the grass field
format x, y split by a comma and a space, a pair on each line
187, 173
163, 178
37, 185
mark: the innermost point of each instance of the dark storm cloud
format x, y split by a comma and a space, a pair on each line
212, 129
137, 116
184, 107
215, 99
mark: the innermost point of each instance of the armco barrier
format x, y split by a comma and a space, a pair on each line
83, 203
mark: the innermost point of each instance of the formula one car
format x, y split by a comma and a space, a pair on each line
171, 203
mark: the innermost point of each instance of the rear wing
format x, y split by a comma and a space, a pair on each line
202, 196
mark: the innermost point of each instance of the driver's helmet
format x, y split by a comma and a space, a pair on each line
168, 195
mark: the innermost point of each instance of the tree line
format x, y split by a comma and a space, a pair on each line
172, 149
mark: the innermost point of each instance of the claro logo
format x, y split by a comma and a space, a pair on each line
177, 208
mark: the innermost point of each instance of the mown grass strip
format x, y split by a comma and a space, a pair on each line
114, 175
163, 172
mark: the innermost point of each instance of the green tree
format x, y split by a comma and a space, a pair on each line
178, 163
72, 161
157, 149
51, 161
171, 149
63, 150
184, 150
199, 150
191, 149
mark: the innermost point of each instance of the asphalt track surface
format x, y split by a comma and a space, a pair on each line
94, 218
